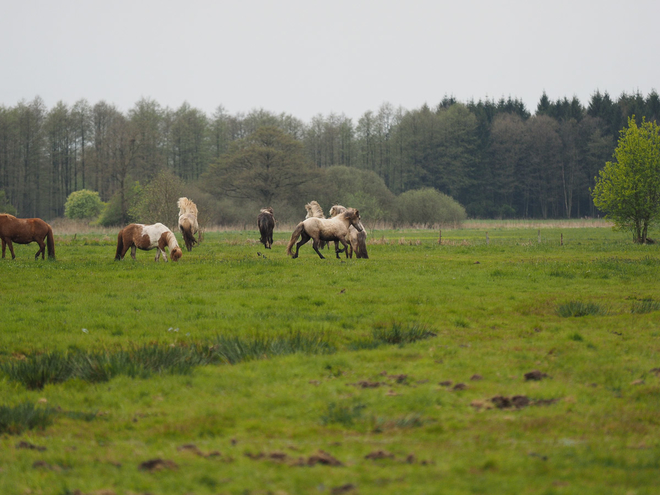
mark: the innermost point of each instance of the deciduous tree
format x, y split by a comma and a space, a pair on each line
628, 188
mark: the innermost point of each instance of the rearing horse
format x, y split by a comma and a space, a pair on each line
188, 222
322, 229
25, 231
357, 240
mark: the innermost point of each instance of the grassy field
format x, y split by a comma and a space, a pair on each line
490, 363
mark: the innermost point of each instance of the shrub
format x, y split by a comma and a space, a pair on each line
428, 207
355, 188
113, 213
83, 205
5, 205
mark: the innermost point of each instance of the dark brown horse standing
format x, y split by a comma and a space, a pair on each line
266, 224
25, 231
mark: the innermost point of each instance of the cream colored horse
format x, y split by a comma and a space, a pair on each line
324, 229
357, 239
188, 222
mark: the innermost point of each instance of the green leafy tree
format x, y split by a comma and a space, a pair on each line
83, 205
268, 165
628, 188
157, 202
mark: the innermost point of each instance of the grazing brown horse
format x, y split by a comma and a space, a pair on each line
25, 231
147, 237
322, 229
357, 240
188, 222
266, 224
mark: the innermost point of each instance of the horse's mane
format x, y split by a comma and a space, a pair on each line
268, 209
336, 210
314, 210
186, 206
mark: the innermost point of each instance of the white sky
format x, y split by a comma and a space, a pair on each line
307, 57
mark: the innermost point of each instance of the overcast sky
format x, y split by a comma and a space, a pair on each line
306, 58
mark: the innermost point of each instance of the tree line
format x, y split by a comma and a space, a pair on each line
496, 158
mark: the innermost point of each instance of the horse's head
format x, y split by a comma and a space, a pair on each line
353, 216
176, 253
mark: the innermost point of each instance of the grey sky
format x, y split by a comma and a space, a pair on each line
309, 57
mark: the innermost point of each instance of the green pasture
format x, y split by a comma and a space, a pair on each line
240, 370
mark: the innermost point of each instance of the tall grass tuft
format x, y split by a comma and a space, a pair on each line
235, 349
37, 371
578, 308
344, 415
25, 416
398, 333
645, 306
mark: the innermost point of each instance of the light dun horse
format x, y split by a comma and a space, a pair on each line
357, 240
266, 224
25, 231
322, 229
314, 210
188, 222
147, 237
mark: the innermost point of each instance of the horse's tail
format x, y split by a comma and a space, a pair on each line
120, 246
50, 242
263, 228
294, 237
188, 236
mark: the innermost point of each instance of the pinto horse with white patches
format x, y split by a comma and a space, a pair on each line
147, 237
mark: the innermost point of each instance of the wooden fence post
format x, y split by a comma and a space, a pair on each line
440, 237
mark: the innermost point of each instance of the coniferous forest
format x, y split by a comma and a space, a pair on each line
496, 158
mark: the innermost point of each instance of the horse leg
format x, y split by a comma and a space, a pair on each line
11, 249
315, 244
304, 237
42, 250
4, 245
133, 251
337, 251
164, 254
